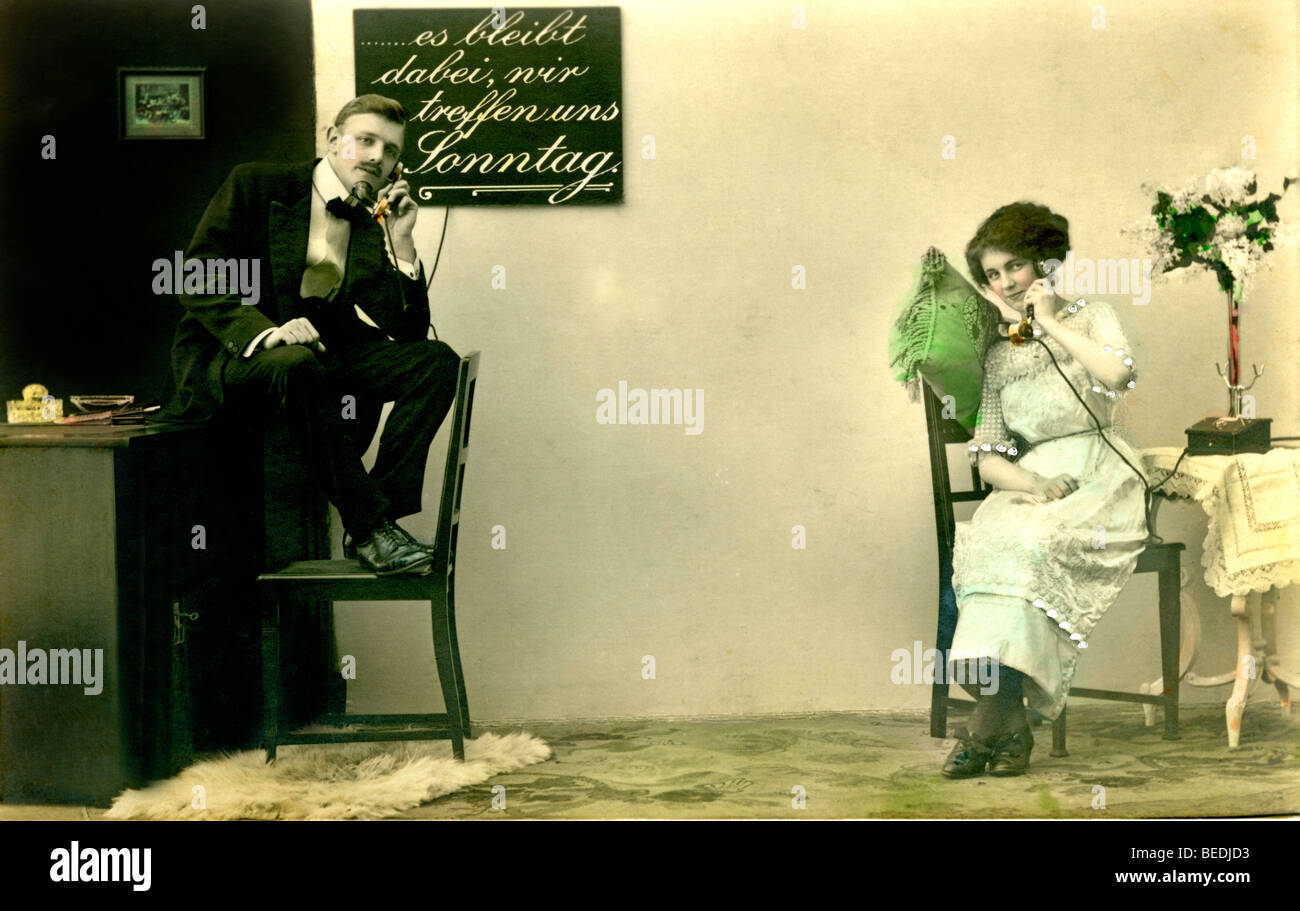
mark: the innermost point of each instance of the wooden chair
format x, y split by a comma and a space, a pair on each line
1161, 558
346, 580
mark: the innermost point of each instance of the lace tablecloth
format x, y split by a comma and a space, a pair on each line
1252, 500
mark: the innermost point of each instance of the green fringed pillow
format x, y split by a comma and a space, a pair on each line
942, 331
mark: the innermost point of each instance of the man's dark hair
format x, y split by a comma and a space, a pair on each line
1023, 228
373, 104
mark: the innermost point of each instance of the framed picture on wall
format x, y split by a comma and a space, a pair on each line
160, 102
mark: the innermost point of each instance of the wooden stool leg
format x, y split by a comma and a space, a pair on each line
1237, 701
270, 672
1058, 735
447, 676
1170, 642
1268, 626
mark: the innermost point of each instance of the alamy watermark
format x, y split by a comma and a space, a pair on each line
1082, 275
653, 406
923, 666
208, 276
37, 666
75, 864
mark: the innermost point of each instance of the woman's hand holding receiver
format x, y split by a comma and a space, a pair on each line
1044, 301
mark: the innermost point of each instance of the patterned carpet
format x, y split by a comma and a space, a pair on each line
875, 765
887, 766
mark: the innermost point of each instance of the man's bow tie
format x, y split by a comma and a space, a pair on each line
356, 214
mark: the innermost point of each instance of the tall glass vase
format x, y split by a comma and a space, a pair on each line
1234, 352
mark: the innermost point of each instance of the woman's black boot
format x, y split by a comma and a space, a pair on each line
968, 758
1011, 753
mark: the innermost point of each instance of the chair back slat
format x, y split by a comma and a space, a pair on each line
942, 432
453, 479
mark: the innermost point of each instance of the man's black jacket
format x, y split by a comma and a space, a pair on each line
263, 212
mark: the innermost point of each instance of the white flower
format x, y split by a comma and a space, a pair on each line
1229, 227
1229, 186
1287, 230
1286, 234
1241, 256
1158, 244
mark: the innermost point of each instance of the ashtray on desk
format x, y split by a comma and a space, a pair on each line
89, 403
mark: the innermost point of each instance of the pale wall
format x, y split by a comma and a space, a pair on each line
779, 147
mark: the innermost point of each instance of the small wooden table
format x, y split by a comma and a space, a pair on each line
1252, 544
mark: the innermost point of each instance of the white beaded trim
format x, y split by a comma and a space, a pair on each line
988, 447
1075, 307
1076, 638
1128, 362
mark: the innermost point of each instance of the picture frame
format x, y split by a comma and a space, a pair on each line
161, 102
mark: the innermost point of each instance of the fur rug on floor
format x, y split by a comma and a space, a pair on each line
328, 781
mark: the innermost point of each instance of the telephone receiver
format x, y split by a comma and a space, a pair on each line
1022, 333
365, 192
381, 208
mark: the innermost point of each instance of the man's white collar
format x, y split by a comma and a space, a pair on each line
326, 182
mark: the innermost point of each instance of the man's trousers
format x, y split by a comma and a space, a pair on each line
336, 398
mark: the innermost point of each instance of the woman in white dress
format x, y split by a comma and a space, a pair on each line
1050, 549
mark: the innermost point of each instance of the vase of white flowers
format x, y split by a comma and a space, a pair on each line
1217, 226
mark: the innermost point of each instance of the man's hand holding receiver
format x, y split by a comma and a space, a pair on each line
402, 211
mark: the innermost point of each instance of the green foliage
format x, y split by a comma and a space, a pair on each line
1191, 230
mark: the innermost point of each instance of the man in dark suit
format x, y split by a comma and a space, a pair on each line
339, 328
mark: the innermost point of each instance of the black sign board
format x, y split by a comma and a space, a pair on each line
509, 105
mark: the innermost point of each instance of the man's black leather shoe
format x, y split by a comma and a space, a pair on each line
412, 539
388, 551
968, 758
1011, 753
350, 544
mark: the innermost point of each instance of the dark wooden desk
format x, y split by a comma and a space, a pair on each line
95, 553
96, 531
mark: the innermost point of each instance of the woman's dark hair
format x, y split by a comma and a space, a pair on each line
1023, 228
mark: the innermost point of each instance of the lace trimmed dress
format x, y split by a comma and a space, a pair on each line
1032, 577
